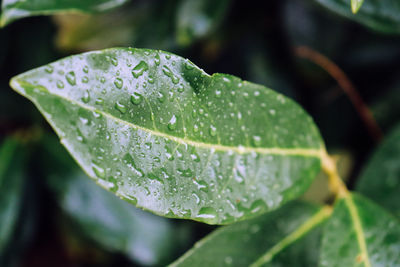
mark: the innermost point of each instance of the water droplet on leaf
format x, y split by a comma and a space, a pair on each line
120, 107
139, 69
71, 78
136, 98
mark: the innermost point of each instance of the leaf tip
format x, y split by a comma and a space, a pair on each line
356, 5
16, 85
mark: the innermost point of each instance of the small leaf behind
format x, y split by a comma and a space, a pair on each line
380, 180
360, 233
379, 15
286, 237
11, 186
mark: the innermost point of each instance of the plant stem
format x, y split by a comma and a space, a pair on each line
346, 85
336, 184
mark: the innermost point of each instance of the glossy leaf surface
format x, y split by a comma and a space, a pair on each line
360, 233
160, 132
101, 216
11, 184
16, 9
286, 237
380, 15
380, 180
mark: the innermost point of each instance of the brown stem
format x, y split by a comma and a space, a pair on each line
347, 87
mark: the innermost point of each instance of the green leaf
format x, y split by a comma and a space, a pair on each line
360, 233
355, 5
16, 9
104, 218
288, 236
161, 133
11, 185
197, 18
380, 180
379, 15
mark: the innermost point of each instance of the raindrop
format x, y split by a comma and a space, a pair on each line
196, 197
218, 93
161, 97
85, 79
188, 65
114, 61
100, 172
86, 69
157, 59
60, 84
213, 130
185, 172
139, 69
257, 206
167, 71
49, 69
201, 185
150, 80
272, 111
195, 157
120, 107
118, 82
181, 88
102, 80
172, 123
128, 160
136, 98
208, 213
71, 78
99, 101
86, 97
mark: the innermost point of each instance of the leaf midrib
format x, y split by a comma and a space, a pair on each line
307, 152
355, 217
302, 230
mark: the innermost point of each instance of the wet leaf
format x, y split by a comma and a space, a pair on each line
360, 233
161, 133
380, 179
288, 236
17, 9
379, 15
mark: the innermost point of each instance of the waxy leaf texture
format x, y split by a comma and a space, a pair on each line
161, 133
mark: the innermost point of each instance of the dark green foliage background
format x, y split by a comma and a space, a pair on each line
251, 39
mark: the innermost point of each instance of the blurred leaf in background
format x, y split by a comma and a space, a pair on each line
380, 178
17, 203
107, 220
379, 15
16, 9
197, 18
